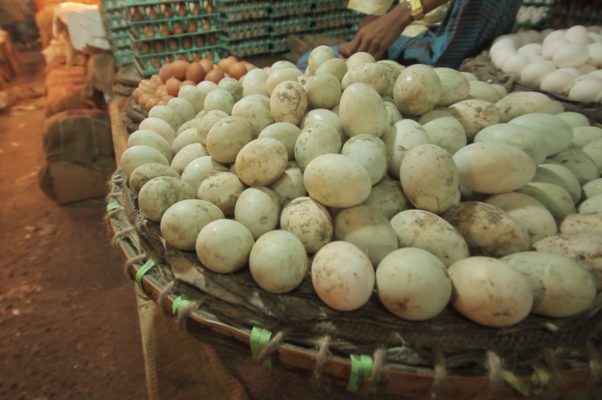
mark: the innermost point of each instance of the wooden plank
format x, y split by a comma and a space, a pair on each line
118, 129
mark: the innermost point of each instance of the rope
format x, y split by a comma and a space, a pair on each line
271, 347
439, 374
494, 369
380, 354
322, 356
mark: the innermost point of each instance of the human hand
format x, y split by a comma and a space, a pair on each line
377, 36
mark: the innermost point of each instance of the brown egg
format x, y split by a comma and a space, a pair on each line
179, 69
207, 65
173, 86
150, 103
161, 91
165, 99
237, 70
186, 43
144, 98
165, 72
157, 79
159, 46
137, 93
195, 72
172, 44
225, 63
215, 75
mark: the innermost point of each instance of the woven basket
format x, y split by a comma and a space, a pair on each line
368, 351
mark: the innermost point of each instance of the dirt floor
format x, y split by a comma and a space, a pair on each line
68, 322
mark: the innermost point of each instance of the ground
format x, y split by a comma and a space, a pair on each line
68, 322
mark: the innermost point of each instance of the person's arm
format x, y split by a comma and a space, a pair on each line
376, 36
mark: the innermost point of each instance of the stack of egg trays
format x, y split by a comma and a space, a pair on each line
565, 14
246, 26
327, 18
162, 31
116, 25
288, 17
524, 21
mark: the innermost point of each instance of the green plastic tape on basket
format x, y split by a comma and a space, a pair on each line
259, 339
516, 383
148, 265
179, 302
361, 369
113, 205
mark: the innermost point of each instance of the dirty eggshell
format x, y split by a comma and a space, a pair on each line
555, 198
256, 110
488, 230
261, 162
342, 276
281, 75
206, 122
519, 136
337, 181
561, 287
278, 262
182, 222
519, 103
219, 99
146, 172
224, 245
258, 208
334, 66
491, 167
372, 74
474, 115
428, 231
413, 284
309, 221
290, 184
319, 56
221, 189
417, 90
362, 111
288, 103
530, 215
183, 107
490, 292
159, 126
429, 178
158, 194
167, 114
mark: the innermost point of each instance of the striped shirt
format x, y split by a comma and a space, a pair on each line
468, 28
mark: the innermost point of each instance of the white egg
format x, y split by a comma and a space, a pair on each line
557, 82
587, 68
533, 74
586, 89
574, 72
531, 49
550, 47
596, 74
553, 35
571, 55
515, 64
595, 54
594, 37
577, 34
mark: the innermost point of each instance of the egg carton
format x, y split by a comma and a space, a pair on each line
154, 11
177, 26
123, 57
110, 5
329, 5
247, 48
565, 14
290, 25
345, 33
149, 64
280, 9
335, 19
166, 46
246, 30
242, 12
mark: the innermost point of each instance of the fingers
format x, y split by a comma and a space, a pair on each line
349, 48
